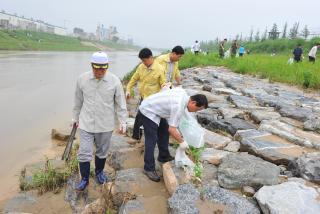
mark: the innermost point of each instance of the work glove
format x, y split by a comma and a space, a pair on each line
183, 145
122, 128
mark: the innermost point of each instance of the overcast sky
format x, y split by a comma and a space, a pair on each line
165, 23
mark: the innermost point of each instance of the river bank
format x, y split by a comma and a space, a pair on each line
261, 142
39, 41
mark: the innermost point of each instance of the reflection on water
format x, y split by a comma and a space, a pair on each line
36, 94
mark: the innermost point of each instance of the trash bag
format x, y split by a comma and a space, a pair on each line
290, 61
191, 131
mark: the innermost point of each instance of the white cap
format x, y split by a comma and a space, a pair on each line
99, 58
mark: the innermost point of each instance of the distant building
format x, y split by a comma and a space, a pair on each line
102, 33
113, 34
13, 22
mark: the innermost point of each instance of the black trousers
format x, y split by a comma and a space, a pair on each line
312, 59
155, 134
137, 133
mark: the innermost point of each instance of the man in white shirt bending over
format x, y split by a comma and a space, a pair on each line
313, 53
161, 115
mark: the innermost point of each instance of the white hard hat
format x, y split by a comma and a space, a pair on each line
99, 58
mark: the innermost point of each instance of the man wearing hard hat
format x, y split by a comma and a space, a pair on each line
99, 95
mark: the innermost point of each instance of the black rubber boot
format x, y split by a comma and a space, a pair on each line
100, 176
85, 173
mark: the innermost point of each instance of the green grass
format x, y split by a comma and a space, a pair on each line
31, 40
274, 68
48, 178
195, 154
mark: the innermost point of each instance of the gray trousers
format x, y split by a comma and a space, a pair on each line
87, 142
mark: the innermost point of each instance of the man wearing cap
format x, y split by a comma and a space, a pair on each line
170, 62
98, 96
150, 76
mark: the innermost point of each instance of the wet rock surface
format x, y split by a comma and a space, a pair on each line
288, 197
238, 170
307, 166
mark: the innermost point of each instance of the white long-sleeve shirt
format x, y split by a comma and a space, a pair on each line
97, 102
196, 47
313, 51
168, 104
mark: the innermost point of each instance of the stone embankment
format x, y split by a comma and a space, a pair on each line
261, 155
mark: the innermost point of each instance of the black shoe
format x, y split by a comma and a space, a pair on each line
152, 175
167, 159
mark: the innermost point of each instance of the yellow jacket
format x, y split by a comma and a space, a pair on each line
150, 79
164, 60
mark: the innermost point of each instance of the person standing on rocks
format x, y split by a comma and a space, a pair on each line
221, 48
170, 62
99, 95
313, 53
150, 75
161, 114
234, 48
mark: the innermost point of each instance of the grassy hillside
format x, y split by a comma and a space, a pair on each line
26, 40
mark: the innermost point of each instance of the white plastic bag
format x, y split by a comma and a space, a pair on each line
191, 131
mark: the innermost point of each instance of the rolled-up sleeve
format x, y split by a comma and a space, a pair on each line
78, 101
120, 104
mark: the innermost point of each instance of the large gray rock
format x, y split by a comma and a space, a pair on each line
267, 146
307, 166
184, 200
209, 175
243, 102
213, 156
226, 91
288, 197
259, 115
231, 112
237, 170
249, 134
214, 140
273, 101
233, 146
229, 125
253, 92
233, 203
313, 124
291, 133
272, 148
298, 113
